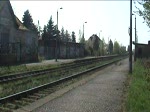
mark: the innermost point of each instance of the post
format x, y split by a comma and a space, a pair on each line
135, 41
130, 53
56, 39
83, 30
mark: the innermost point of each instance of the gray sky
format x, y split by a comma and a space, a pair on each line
110, 17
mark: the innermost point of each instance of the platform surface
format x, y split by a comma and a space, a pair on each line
101, 94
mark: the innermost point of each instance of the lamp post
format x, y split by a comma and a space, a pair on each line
130, 51
57, 37
83, 29
135, 39
101, 50
99, 33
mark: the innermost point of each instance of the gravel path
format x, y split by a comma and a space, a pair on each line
101, 94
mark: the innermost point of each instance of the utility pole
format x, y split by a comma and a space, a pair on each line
83, 29
135, 40
130, 52
57, 38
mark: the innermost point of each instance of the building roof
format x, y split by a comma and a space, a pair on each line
140, 44
20, 24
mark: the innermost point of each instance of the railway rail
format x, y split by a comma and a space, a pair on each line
35, 93
76, 63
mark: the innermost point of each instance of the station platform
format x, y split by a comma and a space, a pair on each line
102, 92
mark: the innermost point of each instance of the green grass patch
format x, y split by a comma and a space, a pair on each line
138, 96
5, 70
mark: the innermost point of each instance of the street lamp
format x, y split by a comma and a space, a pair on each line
99, 33
83, 29
135, 38
57, 37
130, 52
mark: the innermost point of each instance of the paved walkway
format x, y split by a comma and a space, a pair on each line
101, 94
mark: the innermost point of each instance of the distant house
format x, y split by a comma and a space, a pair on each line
142, 50
17, 43
92, 45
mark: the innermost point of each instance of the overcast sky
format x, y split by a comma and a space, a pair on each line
110, 17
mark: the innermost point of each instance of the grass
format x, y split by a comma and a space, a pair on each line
138, 96
5, 70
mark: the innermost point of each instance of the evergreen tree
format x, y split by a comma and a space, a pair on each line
67, 36
44, 33
35, 28
39, 29
110, 46
116, 48
28, 21
56, 32
102, 46
50, 29
73, 37
62, 34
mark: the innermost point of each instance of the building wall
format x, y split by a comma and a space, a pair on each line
65, 50
15, 45
29, 45
142, 51
6, 23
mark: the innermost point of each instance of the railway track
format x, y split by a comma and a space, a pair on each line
22, 98
75, 64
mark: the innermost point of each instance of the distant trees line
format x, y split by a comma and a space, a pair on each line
93, 46
49, 31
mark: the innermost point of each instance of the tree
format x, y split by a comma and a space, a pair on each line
122, 49
102, 47
51, 33
28, 22
73, 37
116, 48
110, 47
39, 29
44, 33
62, 34
146, 12
82, 40
67, 36
56, 33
